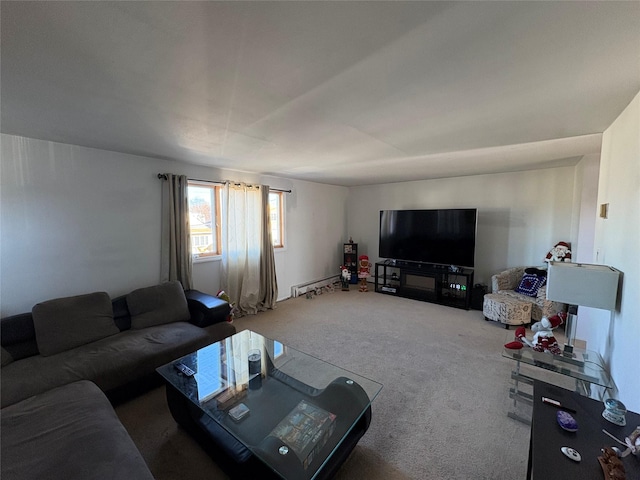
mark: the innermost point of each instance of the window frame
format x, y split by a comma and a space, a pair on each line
215, 221
280, 226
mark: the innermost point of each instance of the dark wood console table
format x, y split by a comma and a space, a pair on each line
546, 461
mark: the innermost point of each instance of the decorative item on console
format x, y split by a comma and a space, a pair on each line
364, 269
543, 339
612, 466
633, 441
561, 252
345, 277
614, 412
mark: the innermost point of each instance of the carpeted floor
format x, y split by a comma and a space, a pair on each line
441, 414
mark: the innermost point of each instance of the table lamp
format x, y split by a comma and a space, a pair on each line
580, 284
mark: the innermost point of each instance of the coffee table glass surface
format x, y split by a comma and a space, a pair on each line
288, 408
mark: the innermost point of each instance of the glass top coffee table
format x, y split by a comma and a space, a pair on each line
266, 410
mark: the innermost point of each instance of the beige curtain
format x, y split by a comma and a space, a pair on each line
248, 272
268, 281
176, 262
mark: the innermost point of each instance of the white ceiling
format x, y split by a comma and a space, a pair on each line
347, 93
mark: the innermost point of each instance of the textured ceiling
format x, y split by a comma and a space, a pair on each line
347, 93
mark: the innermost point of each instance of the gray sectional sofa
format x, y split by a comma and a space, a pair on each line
73, 355
70, 432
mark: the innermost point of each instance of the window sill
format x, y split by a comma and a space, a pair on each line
215, 258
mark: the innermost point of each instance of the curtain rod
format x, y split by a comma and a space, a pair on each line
163, 176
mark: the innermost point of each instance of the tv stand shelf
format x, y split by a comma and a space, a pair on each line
426, 282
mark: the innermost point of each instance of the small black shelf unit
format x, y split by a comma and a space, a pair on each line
350, 260
426, 282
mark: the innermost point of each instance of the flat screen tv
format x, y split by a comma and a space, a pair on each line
446, 236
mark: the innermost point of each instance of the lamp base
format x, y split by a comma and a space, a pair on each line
575, 358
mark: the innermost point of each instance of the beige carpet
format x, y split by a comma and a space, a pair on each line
441, 413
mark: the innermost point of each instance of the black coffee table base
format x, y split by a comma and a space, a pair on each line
237, 461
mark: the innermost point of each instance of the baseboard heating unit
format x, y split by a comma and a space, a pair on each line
303, 288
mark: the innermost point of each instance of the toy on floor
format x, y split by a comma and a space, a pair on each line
364, 269
345, 277
316, 291
224, 296
543, 339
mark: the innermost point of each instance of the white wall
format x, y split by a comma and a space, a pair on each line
587, 175
316, 224
520, 215
586, 206
76, 220
617, 243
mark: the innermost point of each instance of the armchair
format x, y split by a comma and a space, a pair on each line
505, 283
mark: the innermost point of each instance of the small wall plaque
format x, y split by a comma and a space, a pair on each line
604, 210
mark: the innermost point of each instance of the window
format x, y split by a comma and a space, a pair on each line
276, 209
204, 212
204, 218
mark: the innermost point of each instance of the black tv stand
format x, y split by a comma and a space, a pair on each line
434, 283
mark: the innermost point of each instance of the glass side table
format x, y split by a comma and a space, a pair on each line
592, 373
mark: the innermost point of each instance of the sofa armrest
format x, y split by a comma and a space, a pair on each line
206, 309
542, 293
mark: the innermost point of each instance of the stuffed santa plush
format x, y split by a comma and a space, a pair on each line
560, 253
543, 339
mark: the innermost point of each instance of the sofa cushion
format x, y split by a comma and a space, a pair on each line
158, 305
65, 323
121, 315
109, 363
71, 432
17, 329
6, 357
529, 284
22, 349
18, 336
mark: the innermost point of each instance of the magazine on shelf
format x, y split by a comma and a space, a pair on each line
305, 430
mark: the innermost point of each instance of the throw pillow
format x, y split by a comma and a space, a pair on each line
157, 305
66, 323
529, 284
536, 271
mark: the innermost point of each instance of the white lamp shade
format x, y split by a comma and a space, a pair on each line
583, 284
